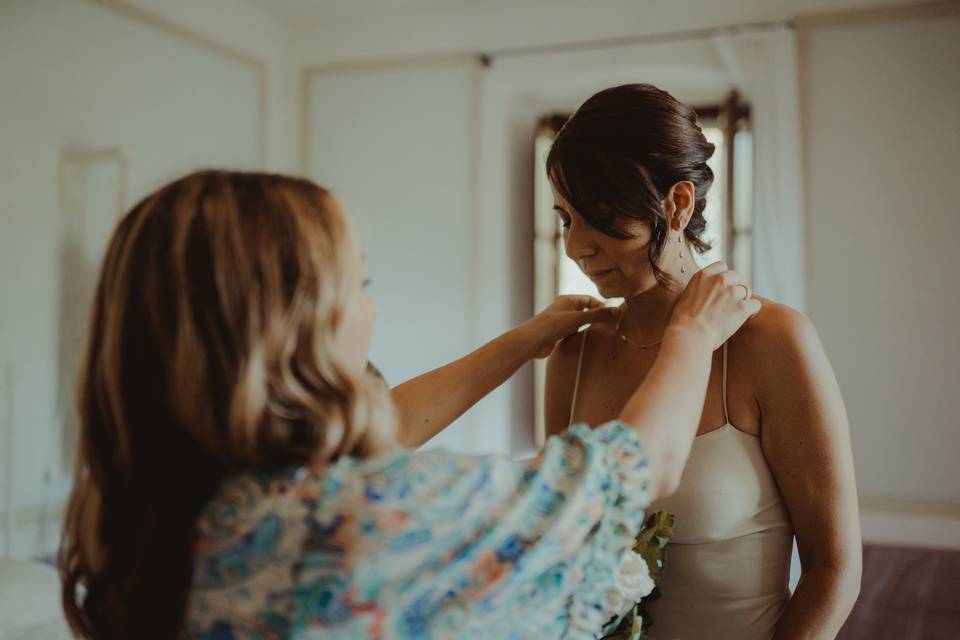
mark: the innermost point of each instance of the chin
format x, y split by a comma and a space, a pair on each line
623, 290
608, 291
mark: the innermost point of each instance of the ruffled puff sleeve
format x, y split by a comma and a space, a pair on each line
494, 548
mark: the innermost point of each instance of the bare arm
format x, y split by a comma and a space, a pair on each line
806, 441
666, 408
429, 403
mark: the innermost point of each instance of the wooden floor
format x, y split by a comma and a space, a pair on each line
907, 594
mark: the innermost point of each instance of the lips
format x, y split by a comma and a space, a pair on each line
599, 274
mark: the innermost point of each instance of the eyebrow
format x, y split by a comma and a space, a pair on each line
560, 209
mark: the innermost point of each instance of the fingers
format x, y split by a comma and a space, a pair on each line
752, 306
731, 278
715, 269
599, 315
582, 302
736, 285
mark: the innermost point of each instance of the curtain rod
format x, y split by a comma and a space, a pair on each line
487, 57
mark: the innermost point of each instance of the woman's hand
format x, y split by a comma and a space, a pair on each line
716, 303
430, 402
563, 318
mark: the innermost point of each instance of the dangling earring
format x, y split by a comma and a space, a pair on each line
680, 247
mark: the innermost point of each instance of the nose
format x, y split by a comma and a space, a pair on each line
578, 243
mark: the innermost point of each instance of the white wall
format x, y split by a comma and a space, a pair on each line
397, 145
397, 30
77, 76
883, 136
253, 28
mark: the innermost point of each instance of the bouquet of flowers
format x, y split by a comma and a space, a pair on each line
637, 578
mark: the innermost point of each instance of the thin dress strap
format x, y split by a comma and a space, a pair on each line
726, 413
576, 383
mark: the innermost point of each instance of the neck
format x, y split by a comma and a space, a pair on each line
647, 314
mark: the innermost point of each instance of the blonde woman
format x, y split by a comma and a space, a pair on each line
242, 476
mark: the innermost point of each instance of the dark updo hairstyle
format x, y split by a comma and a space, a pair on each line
619, 154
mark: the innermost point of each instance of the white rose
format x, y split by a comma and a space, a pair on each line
631, 582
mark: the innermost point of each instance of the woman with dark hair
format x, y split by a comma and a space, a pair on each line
772, 459
243, 473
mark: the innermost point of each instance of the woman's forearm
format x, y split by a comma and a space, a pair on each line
820, 605
666, 408
429, 403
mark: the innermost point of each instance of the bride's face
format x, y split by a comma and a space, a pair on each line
619, 268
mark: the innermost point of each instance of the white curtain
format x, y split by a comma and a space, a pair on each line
763, 67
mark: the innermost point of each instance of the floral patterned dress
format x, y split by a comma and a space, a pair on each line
424, 544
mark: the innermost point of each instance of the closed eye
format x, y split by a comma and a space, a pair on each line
564, 216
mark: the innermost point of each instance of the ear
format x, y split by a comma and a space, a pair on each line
678, 205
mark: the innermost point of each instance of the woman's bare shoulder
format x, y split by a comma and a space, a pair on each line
568, 349
777, 325
778, 347
567, 352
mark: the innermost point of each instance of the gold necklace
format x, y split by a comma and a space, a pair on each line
626, 339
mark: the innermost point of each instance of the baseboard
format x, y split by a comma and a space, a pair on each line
914, 529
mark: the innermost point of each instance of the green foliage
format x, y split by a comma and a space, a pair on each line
651, 545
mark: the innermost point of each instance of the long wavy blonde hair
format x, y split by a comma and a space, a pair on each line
211, 352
